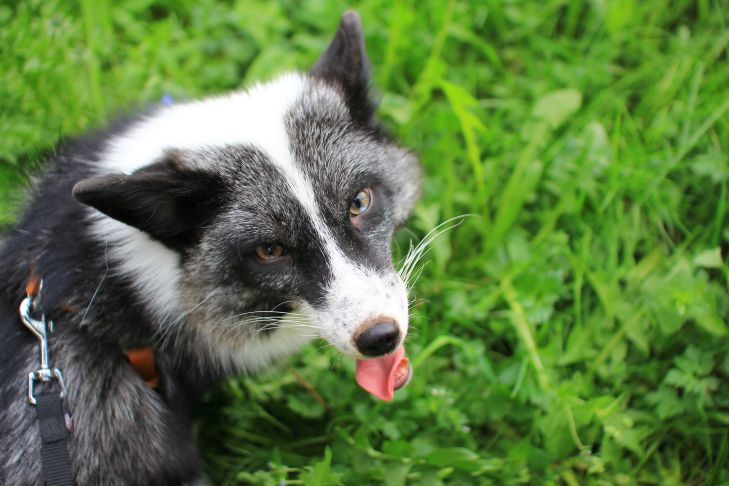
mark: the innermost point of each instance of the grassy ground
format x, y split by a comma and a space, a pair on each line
572, 331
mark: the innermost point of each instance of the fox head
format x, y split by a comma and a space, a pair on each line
258, 220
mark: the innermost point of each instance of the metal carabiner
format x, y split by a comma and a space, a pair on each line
39, 329
46, 376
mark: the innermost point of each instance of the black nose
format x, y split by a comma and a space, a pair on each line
379, 339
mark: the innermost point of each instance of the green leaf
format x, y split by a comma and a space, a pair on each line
619, 14
667, 402
456, 457
692, 374
621, 428
714, 165
305, 405
556, 107
463, 102
396, 473
709, 258
321, 473
555, 431
269, 63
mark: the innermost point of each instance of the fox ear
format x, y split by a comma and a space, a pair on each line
164, 200
345, 63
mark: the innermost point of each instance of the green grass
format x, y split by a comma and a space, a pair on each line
573, 330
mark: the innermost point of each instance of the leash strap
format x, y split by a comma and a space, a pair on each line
52, 424
54, 440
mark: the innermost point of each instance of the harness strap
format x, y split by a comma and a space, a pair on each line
53, 424
142, 360
54, 440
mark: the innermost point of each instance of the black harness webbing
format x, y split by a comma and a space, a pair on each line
54, 440
52, 424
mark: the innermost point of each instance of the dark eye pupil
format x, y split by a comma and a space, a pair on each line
269, 250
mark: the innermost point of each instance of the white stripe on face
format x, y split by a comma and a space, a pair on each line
356, 294
359, 295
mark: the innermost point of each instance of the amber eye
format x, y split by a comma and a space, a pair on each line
361, 202
269, 251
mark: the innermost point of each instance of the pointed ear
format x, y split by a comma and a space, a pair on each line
164, 200
345, 63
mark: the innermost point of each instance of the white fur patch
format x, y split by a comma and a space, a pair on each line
262, 350
153, 269
254, 116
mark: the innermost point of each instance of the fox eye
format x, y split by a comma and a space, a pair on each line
269, 252
361, 202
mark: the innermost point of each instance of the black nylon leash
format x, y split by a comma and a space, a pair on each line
54, 440
54, 424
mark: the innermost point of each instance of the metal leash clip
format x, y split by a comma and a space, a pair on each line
39, 328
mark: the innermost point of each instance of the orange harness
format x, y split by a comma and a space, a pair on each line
142, 360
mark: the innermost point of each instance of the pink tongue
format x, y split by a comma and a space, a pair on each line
377, 375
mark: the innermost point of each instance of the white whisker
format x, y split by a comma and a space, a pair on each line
409, 264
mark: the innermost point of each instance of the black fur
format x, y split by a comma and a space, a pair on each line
346, 65
87, 346
166, 200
